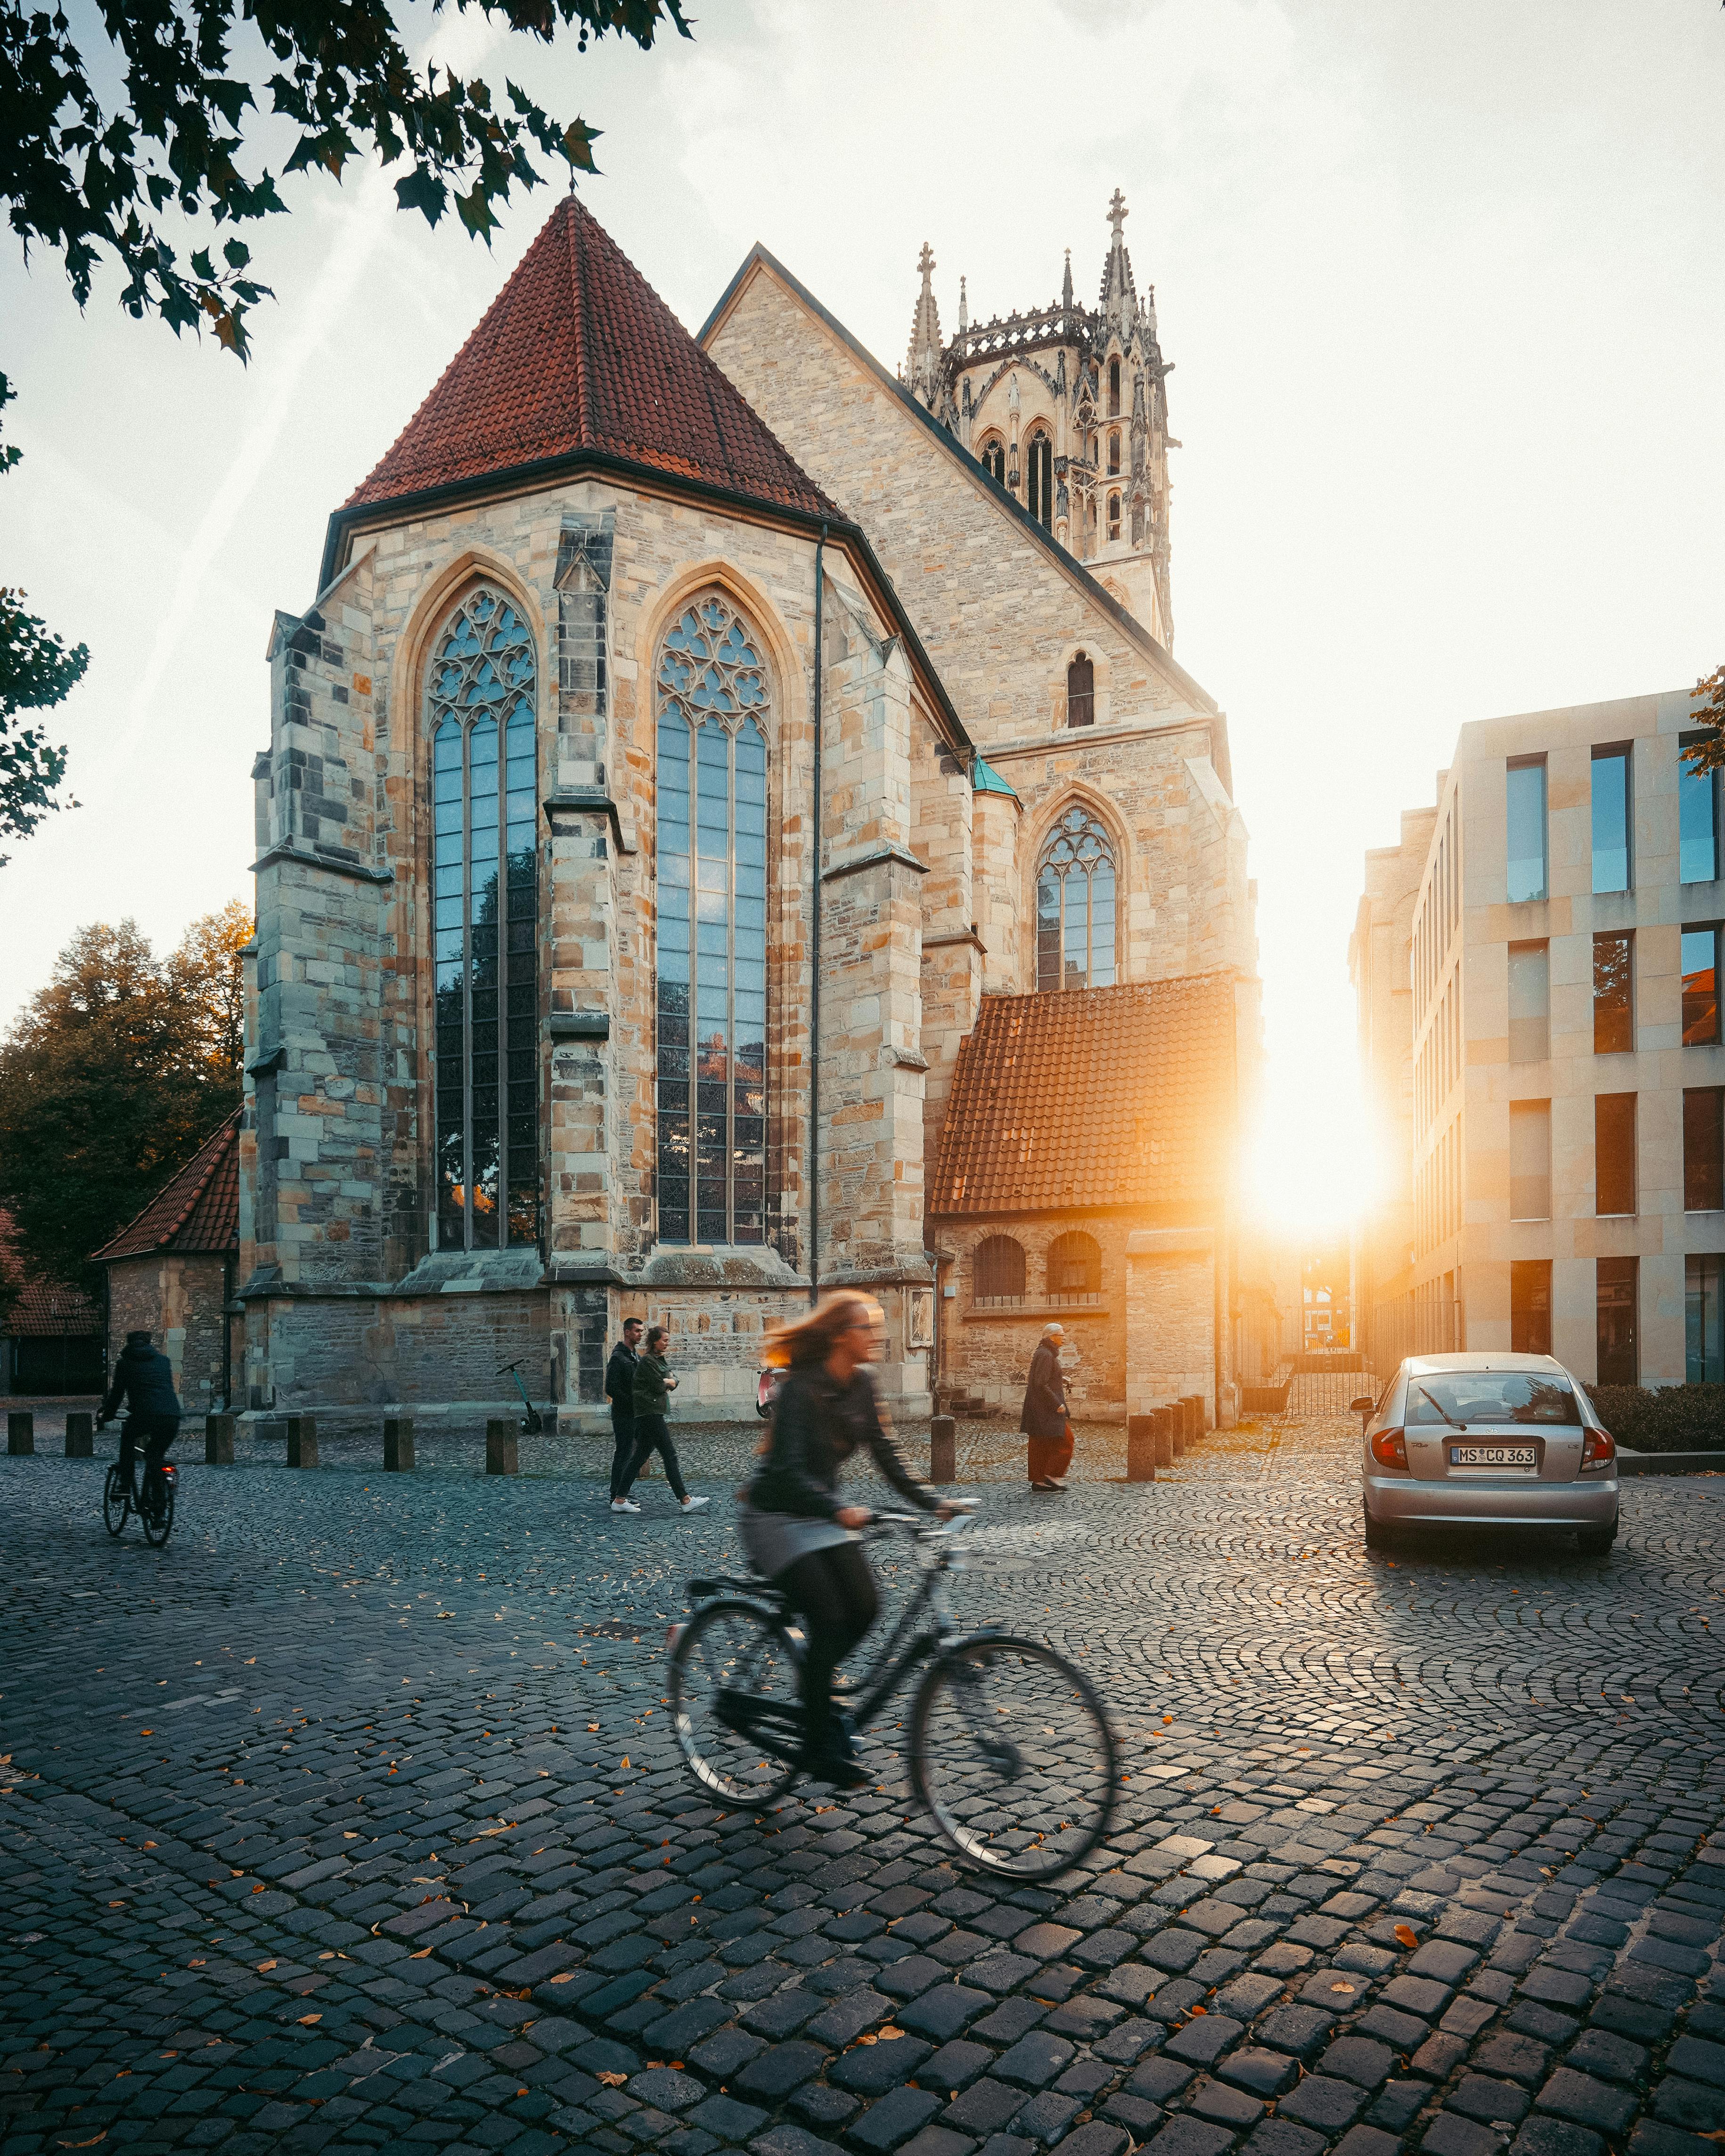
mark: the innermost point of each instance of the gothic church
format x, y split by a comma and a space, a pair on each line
731, 825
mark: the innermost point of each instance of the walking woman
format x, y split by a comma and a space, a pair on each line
793, 1524
653, 1386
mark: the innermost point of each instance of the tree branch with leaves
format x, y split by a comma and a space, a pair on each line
1708, 754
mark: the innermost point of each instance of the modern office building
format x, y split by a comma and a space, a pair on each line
1536, 974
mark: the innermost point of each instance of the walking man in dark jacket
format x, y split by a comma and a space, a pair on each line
144, 1380
620, 1391
1044, 1420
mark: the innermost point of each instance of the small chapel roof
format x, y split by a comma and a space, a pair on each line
1092, 1098
578, 353
196, 1210
40, 1309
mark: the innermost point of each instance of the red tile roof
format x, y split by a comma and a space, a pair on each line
198, 1210
578, 352
1097, 1097
44, 1309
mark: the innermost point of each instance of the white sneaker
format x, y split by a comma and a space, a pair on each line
624, 1504
693, 1504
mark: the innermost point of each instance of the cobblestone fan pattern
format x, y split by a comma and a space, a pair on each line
1423, 1852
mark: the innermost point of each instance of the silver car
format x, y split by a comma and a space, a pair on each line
1502, 1441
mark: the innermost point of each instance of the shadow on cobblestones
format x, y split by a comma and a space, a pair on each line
352, 1819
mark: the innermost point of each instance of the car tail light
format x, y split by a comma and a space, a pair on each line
1599, 1449
1391, 1448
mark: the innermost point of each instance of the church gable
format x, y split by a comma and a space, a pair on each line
1000, 606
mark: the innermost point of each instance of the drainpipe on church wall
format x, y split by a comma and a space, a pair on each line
814, 956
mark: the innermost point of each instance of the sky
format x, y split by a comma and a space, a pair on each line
1445, 290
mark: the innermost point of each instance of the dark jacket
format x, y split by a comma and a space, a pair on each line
143, 1378
619, 1381
651, 1394
1044, 1412
817, 1424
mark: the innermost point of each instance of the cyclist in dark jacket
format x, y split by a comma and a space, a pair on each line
795, 1526
143, 1381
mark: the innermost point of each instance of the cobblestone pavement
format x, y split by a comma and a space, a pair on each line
1422, 1849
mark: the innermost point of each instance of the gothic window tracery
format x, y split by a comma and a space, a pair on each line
1075, 907
1040, 480
994, 457
481, 698
713, 700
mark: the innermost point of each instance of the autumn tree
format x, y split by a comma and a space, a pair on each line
111, 1079
36, 672
1708, 754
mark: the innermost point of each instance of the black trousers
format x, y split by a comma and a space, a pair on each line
157, 1432
652, 1435
834, 1593
622, 1453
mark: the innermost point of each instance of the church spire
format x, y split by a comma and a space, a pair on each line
924, 363
1118, 297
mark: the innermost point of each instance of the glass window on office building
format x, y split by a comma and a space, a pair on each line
1614, 1153
1704, 1360
1703, 1150
1530, 1160
1613, 997
1701, 986
1611, 818
1530, 1305
1526, 844
1615, 1336
1530, 1002
1697, 819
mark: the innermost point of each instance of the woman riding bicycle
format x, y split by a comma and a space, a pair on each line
793, 1527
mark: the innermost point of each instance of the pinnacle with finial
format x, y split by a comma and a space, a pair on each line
925, 262
1117, 213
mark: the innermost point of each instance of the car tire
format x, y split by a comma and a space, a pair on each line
1596, 1542
1379, 1536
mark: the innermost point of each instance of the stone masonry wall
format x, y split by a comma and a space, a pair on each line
1170, 1320
177, 1300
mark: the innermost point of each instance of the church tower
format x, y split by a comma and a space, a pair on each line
1067, 407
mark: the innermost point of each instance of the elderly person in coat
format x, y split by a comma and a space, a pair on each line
1043, 1420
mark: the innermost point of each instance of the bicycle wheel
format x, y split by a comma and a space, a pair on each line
734, 1704
1011, 1750
158, 1509
115, 1495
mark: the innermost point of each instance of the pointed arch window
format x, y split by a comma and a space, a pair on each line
1113, 516
1114, 389
1040, 500
994, 459
482, 696
1113, 450
712, 705
1074, 906
1081, 690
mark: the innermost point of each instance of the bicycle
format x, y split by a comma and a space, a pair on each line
1011, 1750
121, 1497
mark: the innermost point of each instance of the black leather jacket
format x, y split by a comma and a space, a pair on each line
143, 1378
817, 1424
620, 1380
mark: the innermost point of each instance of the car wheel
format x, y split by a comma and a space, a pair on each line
1596, 1542
1378, 1535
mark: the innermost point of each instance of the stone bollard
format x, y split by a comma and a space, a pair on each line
943, 1449
1163, 1420
502, 1451
218, 1440
302, 1440
80, 1435
20, 1432
1176, 1426
1193, 1406
398, 1445
1141, 1448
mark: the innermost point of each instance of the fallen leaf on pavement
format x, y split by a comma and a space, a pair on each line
1406, 1934
613, 2080
307, 2020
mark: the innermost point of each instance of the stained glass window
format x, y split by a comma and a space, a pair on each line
712, 702
1074, 906
485, 926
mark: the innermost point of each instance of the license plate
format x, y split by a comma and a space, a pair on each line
1493, 1456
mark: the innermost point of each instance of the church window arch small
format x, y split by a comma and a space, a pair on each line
1113, 516
1074, 1263
714, 703
994, 459
1114, 389
998, 1271
1114, 451
1075, 906
481, 697
1040, 477
1081, 690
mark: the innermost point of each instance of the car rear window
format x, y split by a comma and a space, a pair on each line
1484, 1396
